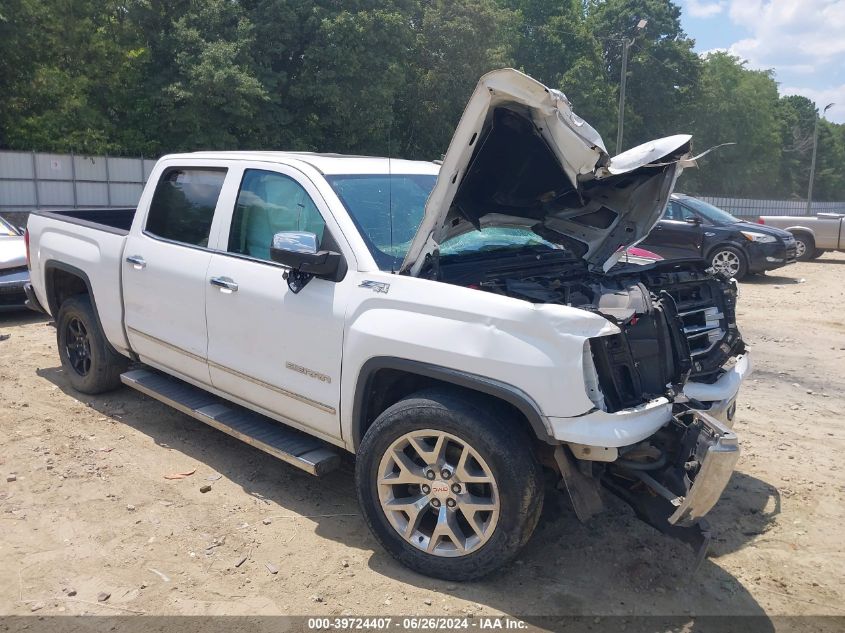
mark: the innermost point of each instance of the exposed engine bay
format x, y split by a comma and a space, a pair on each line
677, 320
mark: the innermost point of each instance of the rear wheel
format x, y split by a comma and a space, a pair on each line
805, 247
817, 253
730, 261
89, 362
447, 486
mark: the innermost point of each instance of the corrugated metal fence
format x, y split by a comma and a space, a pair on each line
30, 180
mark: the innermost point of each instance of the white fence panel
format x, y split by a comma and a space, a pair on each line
92, 194
89, 168
53, 167
17, 193
125, 194
16, 165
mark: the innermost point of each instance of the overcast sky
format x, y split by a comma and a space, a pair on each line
802, 40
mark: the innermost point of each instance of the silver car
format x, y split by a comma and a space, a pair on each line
814, 235
13, 270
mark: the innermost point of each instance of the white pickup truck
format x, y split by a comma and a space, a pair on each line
461, 329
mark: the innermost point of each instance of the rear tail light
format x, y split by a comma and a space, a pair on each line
26, 243
760, 221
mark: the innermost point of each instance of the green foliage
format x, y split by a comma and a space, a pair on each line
392, 76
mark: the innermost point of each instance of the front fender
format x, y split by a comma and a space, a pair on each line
534, 349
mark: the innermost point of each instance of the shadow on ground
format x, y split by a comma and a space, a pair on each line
615, 565
768, 279
20, 317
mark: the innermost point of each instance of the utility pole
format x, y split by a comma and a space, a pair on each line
623, 82
813, 162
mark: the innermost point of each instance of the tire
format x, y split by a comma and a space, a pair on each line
91, 365
729, 260
805, 247
471, 426
817, 253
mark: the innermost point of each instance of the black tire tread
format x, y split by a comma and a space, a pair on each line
106, 363
810, 250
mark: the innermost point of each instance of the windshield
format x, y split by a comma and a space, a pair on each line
709, 212
6, 229
387, 209
388, 228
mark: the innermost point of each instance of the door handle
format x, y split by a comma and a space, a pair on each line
224, 283
137, 262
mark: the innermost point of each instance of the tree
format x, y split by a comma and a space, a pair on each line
556, 46
736, 105
455, 43
664, 70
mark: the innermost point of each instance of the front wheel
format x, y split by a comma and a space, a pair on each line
730, 261
447, 486
805, 247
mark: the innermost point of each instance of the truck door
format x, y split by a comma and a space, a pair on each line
164, 272
274, 350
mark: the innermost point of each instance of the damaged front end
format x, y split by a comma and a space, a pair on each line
675, 478
529, 205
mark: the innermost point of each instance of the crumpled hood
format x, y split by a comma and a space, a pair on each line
521, 157
12, 252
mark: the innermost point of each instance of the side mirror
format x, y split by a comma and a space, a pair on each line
693, 220
298, 251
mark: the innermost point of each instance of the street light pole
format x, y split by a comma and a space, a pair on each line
623, 81
813, 162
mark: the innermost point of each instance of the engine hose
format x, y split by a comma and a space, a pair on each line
632, 465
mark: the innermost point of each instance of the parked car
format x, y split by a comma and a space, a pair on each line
482, 333
693, 228
814, 235
13, 271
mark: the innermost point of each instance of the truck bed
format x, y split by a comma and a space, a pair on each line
87, 243
111, 219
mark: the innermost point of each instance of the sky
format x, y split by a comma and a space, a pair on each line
802, 40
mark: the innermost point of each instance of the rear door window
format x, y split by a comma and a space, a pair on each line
183, 204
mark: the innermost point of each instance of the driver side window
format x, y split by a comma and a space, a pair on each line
270, 203
677, 212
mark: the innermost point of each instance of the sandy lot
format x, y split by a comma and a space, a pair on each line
90, 510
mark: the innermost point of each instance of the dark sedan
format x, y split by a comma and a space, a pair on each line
13, 271
693, 228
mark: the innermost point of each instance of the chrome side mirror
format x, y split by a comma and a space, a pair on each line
295, 242
298, 251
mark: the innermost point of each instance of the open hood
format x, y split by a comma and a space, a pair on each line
521, 157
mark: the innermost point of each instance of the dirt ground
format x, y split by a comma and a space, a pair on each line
91, 512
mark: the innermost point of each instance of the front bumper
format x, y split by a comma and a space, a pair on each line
675, 493
718, 399
770, 256
716, 453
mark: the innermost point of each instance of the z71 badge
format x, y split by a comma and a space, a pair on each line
375, 286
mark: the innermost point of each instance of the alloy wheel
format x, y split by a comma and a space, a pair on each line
78, 346
438, 493
726, 262
800, 248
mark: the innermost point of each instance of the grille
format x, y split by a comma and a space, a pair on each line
703, 329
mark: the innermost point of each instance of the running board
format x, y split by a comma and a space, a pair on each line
289, 445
